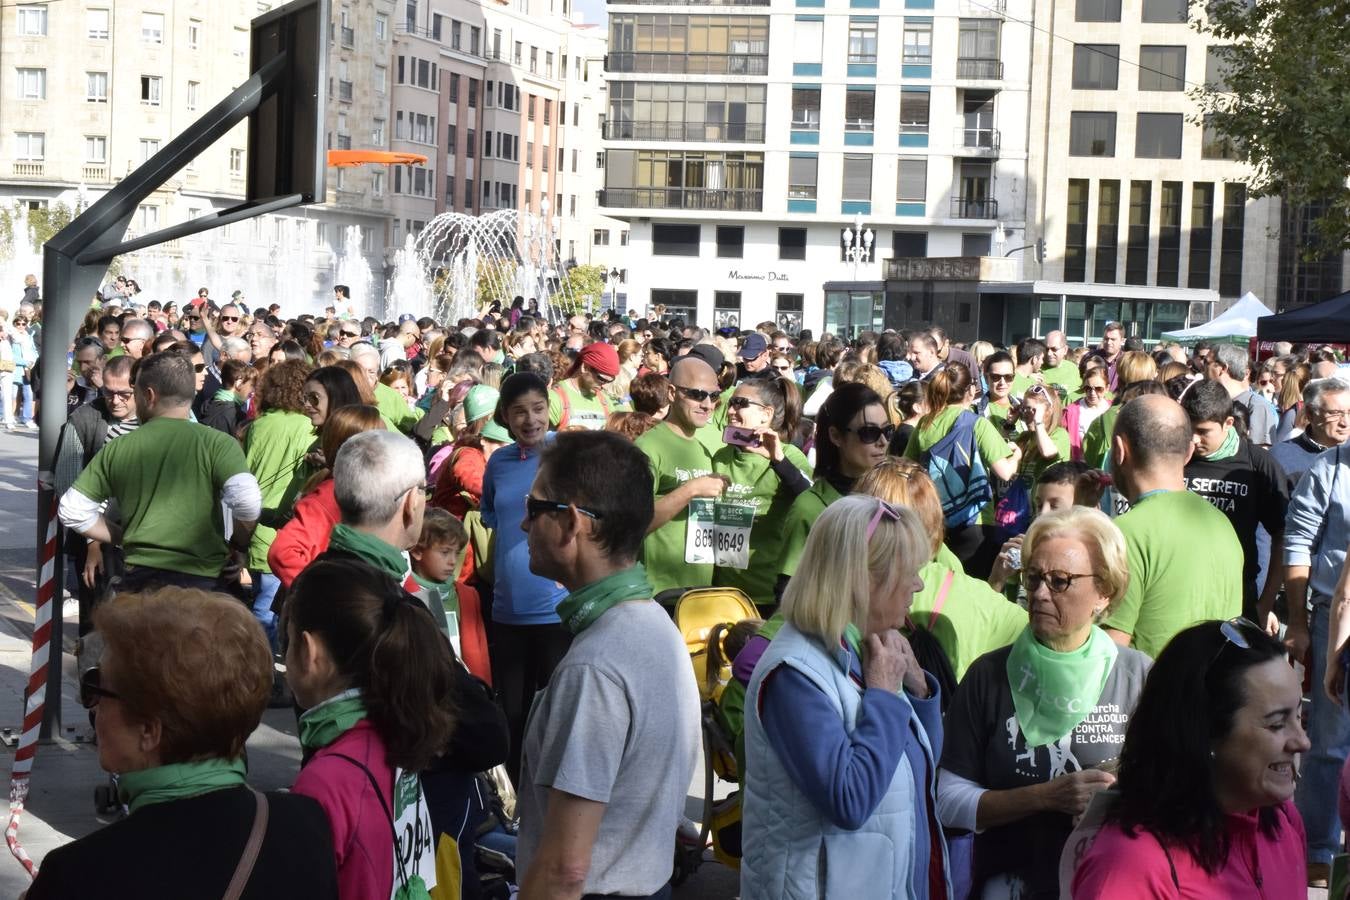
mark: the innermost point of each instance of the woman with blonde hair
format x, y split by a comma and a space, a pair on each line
1046, 440
841, 722
1135, 365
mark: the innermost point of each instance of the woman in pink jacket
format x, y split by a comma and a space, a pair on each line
375, 675
1204, 802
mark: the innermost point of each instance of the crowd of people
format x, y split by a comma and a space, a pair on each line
1026, 614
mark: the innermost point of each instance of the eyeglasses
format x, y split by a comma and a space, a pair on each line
1333, 415
698, 396
600, 377
743, 402
118, 395
535, 507
1094, 389
128, 340
998, 376
883, 509
199, 368
870, 434
193, 318
350, 333
229, 318
785, 367
92, 689
1058, 582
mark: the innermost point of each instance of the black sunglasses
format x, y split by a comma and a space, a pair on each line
600, 377
743, 402
350, 333
229, 318
92, 689
996, 376
870, 434
695, 394
534, 508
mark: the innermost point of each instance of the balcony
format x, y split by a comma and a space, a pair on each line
971, 8
29, 168
95, 174
972, 69
345, 91
687, 63
348, 37
976, 141
974, 208
736, 200
735, 132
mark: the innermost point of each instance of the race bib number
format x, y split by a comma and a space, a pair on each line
719, 533
414, 838
452, 627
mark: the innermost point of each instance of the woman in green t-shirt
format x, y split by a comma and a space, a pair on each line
1046, 440
766, 472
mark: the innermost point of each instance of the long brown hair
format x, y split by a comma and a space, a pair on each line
949, 386
342, 423
359, 376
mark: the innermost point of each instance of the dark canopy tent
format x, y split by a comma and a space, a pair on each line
1327, 322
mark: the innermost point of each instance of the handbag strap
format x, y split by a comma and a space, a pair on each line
941, 598
388, 812
244, 870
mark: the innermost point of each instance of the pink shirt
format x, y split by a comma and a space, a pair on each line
1120, 867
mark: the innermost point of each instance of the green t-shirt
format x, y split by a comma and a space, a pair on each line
800, 517
674, 459
753, 481
1065, 375
1033, 464
974, 618
394, 409
992, 445
1022, 383
167, 476
582, 412
998, 414
275, 445
1097, 439
1185, 567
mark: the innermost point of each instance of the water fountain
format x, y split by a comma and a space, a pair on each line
353, 270
22, 259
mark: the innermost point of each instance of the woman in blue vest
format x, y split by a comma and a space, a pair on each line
842, 726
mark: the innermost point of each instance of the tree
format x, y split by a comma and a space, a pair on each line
581, 288
1281, 103
496, 281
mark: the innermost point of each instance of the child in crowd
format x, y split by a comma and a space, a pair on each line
1064, 484
436, 558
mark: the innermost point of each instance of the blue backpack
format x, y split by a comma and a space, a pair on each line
955, 466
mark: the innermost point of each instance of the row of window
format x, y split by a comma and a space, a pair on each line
977, 39
1096, 67
672, 239
911, 184
1156, 136
31, 21
683, 303
31, 146
600, 237
1172, 220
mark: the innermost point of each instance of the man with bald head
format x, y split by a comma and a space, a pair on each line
1057, 367
682, 468
1185, 560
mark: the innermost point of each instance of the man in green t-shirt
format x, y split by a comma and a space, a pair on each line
578, 401
682, 468
1058, 368
170, 478
1185, 561
1030, 357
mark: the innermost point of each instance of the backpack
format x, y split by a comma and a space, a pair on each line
566, 416
955, 466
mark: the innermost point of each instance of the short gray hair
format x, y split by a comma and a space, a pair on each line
371, 474
232, 345
139, 326
1316, 391
1233, 358
361, 348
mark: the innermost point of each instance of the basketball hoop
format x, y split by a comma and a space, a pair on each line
347, 158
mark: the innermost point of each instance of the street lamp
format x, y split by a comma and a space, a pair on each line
858, 244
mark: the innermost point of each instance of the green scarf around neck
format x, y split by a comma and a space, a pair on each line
1053, 692
385, 557
579, 609
853, 639
227, 394
178, 781
1229, 448
324, 723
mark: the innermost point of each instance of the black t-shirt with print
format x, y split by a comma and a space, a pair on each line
983, 743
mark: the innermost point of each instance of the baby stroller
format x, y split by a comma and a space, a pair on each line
697, 614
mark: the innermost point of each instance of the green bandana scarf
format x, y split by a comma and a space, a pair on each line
853, 640
226, 394
1229, 448
178, 781
581, 608
1053, 692
382, 556
329, 720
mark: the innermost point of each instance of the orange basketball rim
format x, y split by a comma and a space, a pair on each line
347, 158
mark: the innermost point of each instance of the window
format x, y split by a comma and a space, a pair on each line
912, 181
792, 243
450, 142
788, 316
977, 39
1108, 228
976, 244
518, 54
1158, 136
377, 129
152, 28
1097, 11
147, 217
33, 21
96, 87
95, 148
529, 154
1136, 247
377, 183
909, 244
806, 108
623, 235
473, 93
1162, 68
726, 309
859, 110
30, 145
675, 240
676, 303
96, 22
1164, 11
1096, 67
802, 177
33, 84
381, 27
534, 60
575, 157
456, 29
1092, 134
857, 178
149, 147
548, 110
1230, 256
807, 40
193, 94
152, 89
454, 87
496, 43
1217, 67
529, 107
1202, 234
548, 64
730, 241
1213, 144
862, 41
381, 79
236, 161
194, 34
600, 237
913, 111
918, 43
1169, 234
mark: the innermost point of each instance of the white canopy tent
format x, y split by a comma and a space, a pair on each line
1236, 325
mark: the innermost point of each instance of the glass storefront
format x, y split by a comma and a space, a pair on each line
849, 313
1085, 318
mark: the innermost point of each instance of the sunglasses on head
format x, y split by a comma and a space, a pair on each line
1232, 632
698, 396
883, 509
870, 434
535, 507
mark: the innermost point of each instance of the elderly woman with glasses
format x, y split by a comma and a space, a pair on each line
842, 726
182, 682
1035, 727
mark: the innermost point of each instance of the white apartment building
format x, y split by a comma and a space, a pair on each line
90, 89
